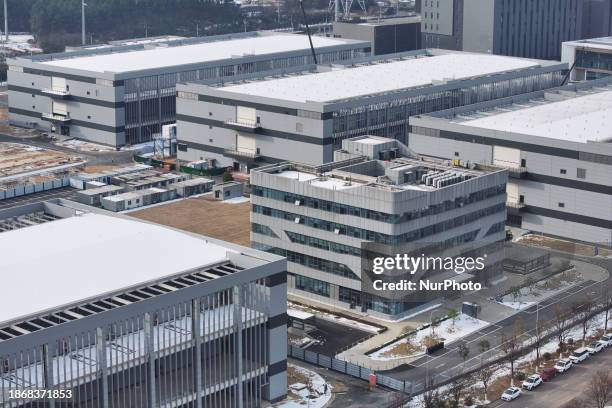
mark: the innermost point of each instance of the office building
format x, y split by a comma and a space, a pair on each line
529, 28
322, 217
589, 59
557, 145
123, 94
387, 36
176, 320
597, 19
304, 117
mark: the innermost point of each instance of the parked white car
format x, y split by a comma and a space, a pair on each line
532, 382
606, 340
511, 393
563, 365
594, 347
579, 355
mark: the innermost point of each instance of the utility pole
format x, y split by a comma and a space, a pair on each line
83, 37
5, 21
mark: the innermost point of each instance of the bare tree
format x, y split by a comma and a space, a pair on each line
511, 345
561, 323
583, 311
600, 390
455, 391
540, 334
607, 305
431, 396
463, 351
485, 376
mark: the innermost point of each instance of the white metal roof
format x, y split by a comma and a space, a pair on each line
160, 57
61, 262
603, 43
576, 119
382, 77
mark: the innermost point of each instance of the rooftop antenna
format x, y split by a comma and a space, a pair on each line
83, 37
314, 55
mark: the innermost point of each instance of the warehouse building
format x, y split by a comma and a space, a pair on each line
324, 219
177, 320
589, 59
557, 145
124, 94
304, 117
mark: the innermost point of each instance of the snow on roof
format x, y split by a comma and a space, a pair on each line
299, 314
58, 263
372, 140
603, 43
160, 57
381, 77
576, 119
297, 175
332, 183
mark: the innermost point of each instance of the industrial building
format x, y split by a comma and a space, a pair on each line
304, 117
557, 145
529, 29
387, 36
322, 218
123, 94
589, 59
177, 320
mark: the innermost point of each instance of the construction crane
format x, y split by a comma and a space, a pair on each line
345, 5
314, 55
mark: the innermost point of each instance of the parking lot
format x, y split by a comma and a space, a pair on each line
564, 387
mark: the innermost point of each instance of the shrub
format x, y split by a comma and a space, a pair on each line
520, 376
227, 176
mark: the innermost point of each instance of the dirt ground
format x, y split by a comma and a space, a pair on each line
229, 222
17, 158
561, 245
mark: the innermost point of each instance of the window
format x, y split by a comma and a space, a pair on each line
209, 113
33, 96
88, 117
88, 93
182, 147
521, 199
562, 205
312, 285
523, 163
210, 140
563, 171
581, 173
104, 82
456, 154
129, 202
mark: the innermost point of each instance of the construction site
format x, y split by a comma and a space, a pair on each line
16, 159
28, 169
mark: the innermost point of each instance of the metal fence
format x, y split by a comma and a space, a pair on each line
345, 367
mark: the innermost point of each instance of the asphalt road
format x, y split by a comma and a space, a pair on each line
447, 363
36, 197
563, 388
